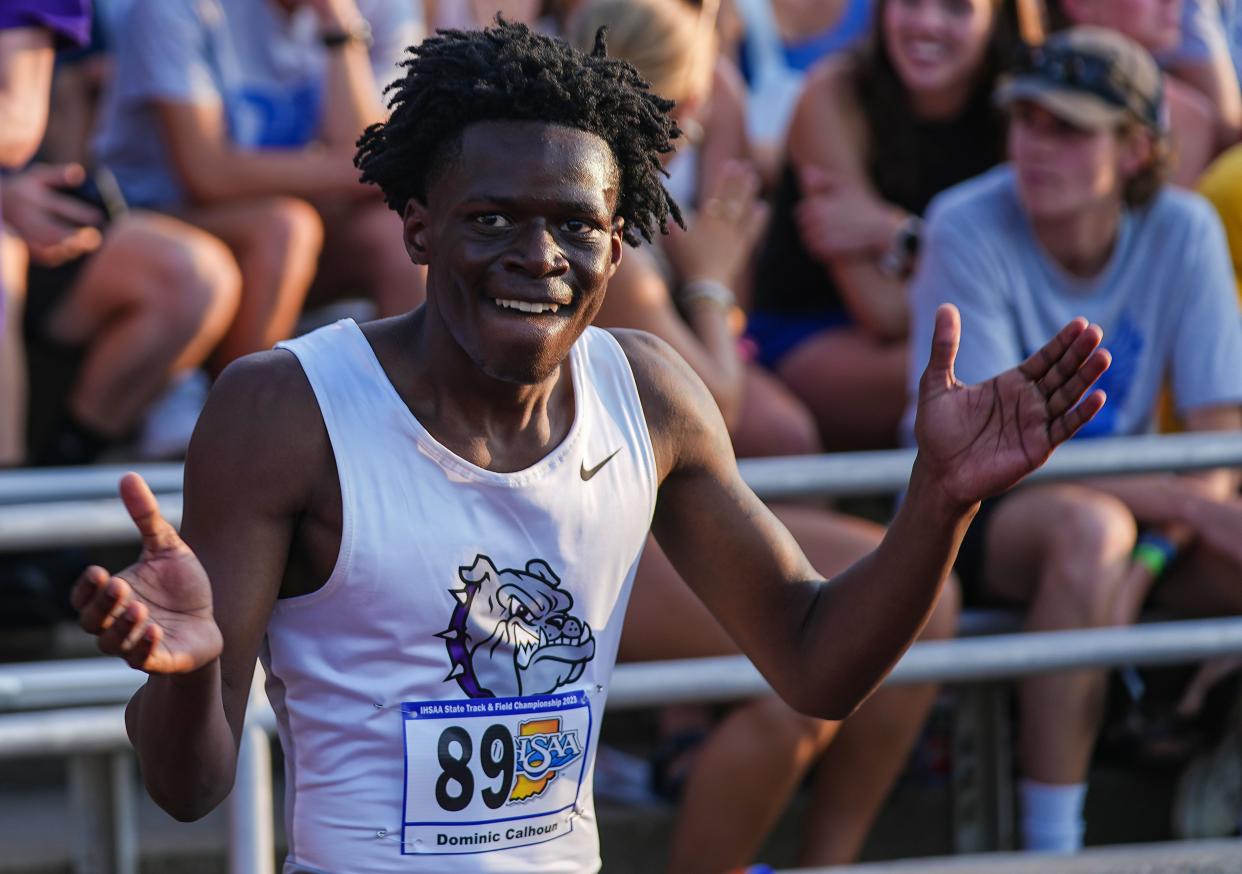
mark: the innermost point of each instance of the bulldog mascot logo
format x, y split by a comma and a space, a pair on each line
512, 632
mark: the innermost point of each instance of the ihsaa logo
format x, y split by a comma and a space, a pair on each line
541, 749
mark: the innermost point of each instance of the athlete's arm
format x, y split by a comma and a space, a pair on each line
824, 645
192, 612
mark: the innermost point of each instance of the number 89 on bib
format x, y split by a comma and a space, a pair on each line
485, 774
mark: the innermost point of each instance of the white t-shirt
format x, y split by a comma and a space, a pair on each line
264, 67
1165, 300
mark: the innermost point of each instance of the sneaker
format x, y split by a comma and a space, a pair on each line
165, 433
1208, 800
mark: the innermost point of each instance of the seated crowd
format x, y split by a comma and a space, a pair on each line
843, 169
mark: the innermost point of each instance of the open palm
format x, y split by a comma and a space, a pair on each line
157, 613
983, 438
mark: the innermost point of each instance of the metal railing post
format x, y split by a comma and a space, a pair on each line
252, 845
103, 809
252, 848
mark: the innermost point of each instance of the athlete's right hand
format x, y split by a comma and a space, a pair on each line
156, 614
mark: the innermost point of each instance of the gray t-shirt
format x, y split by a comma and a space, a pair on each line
264, 68
1165, 300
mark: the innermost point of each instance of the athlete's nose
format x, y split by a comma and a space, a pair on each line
535, 252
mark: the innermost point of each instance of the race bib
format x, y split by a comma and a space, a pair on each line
484, 774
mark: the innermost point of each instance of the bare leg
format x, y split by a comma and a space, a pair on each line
276, 241
854, 386
754, 760
772, 421
856, 773
13, 390
364, 256
153, 300
1065, 549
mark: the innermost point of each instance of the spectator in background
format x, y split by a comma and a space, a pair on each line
29, 31
875, 136
674, 48
128, 301
1081, 224
241, 116
1156, 26
1204, 60
781, 41
741, 777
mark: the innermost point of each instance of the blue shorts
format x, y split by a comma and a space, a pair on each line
776, 334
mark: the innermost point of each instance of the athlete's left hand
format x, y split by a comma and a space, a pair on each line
979, 440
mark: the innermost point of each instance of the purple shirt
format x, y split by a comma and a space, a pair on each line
68, 20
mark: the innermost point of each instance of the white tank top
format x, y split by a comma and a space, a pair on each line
439, 698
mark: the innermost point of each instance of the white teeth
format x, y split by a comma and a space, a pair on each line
925, 52
527, 306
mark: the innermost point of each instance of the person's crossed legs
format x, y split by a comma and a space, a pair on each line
154, 300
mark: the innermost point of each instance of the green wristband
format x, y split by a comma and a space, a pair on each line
1151, 557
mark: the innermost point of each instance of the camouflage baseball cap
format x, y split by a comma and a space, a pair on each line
1091, 77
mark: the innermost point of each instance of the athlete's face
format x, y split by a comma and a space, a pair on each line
519, 238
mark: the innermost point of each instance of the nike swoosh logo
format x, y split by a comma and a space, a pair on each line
587, 472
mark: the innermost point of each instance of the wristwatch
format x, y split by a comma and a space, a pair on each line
359, 32
898, 260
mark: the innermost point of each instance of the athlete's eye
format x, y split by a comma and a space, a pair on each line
580, 228
492, 220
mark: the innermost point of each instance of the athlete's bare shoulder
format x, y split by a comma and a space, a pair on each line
260, 431
685, 423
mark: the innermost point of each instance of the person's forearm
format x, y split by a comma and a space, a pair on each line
710, 324
239, 173
877, 302
1162, 499
25, 81
351, 99
184, 743
867, 616
20, 131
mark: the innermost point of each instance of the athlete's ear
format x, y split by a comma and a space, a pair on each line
415, 223
617, 243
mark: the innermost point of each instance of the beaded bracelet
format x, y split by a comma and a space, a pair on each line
710, 290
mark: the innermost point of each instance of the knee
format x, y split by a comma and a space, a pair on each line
793, 433
1095, 533
377, 238
290, 229
194, 283
775, 723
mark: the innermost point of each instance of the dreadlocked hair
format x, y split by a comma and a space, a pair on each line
509, 73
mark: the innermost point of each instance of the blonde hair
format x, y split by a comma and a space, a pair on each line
670, 45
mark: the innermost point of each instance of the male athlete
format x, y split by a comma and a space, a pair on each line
426, 527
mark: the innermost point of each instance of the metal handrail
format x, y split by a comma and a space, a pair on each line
42, 509
74, 683
852, 473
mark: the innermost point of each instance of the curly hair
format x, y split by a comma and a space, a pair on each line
510, 73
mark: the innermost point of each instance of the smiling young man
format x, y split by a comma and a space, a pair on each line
426, 527
1080, 222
